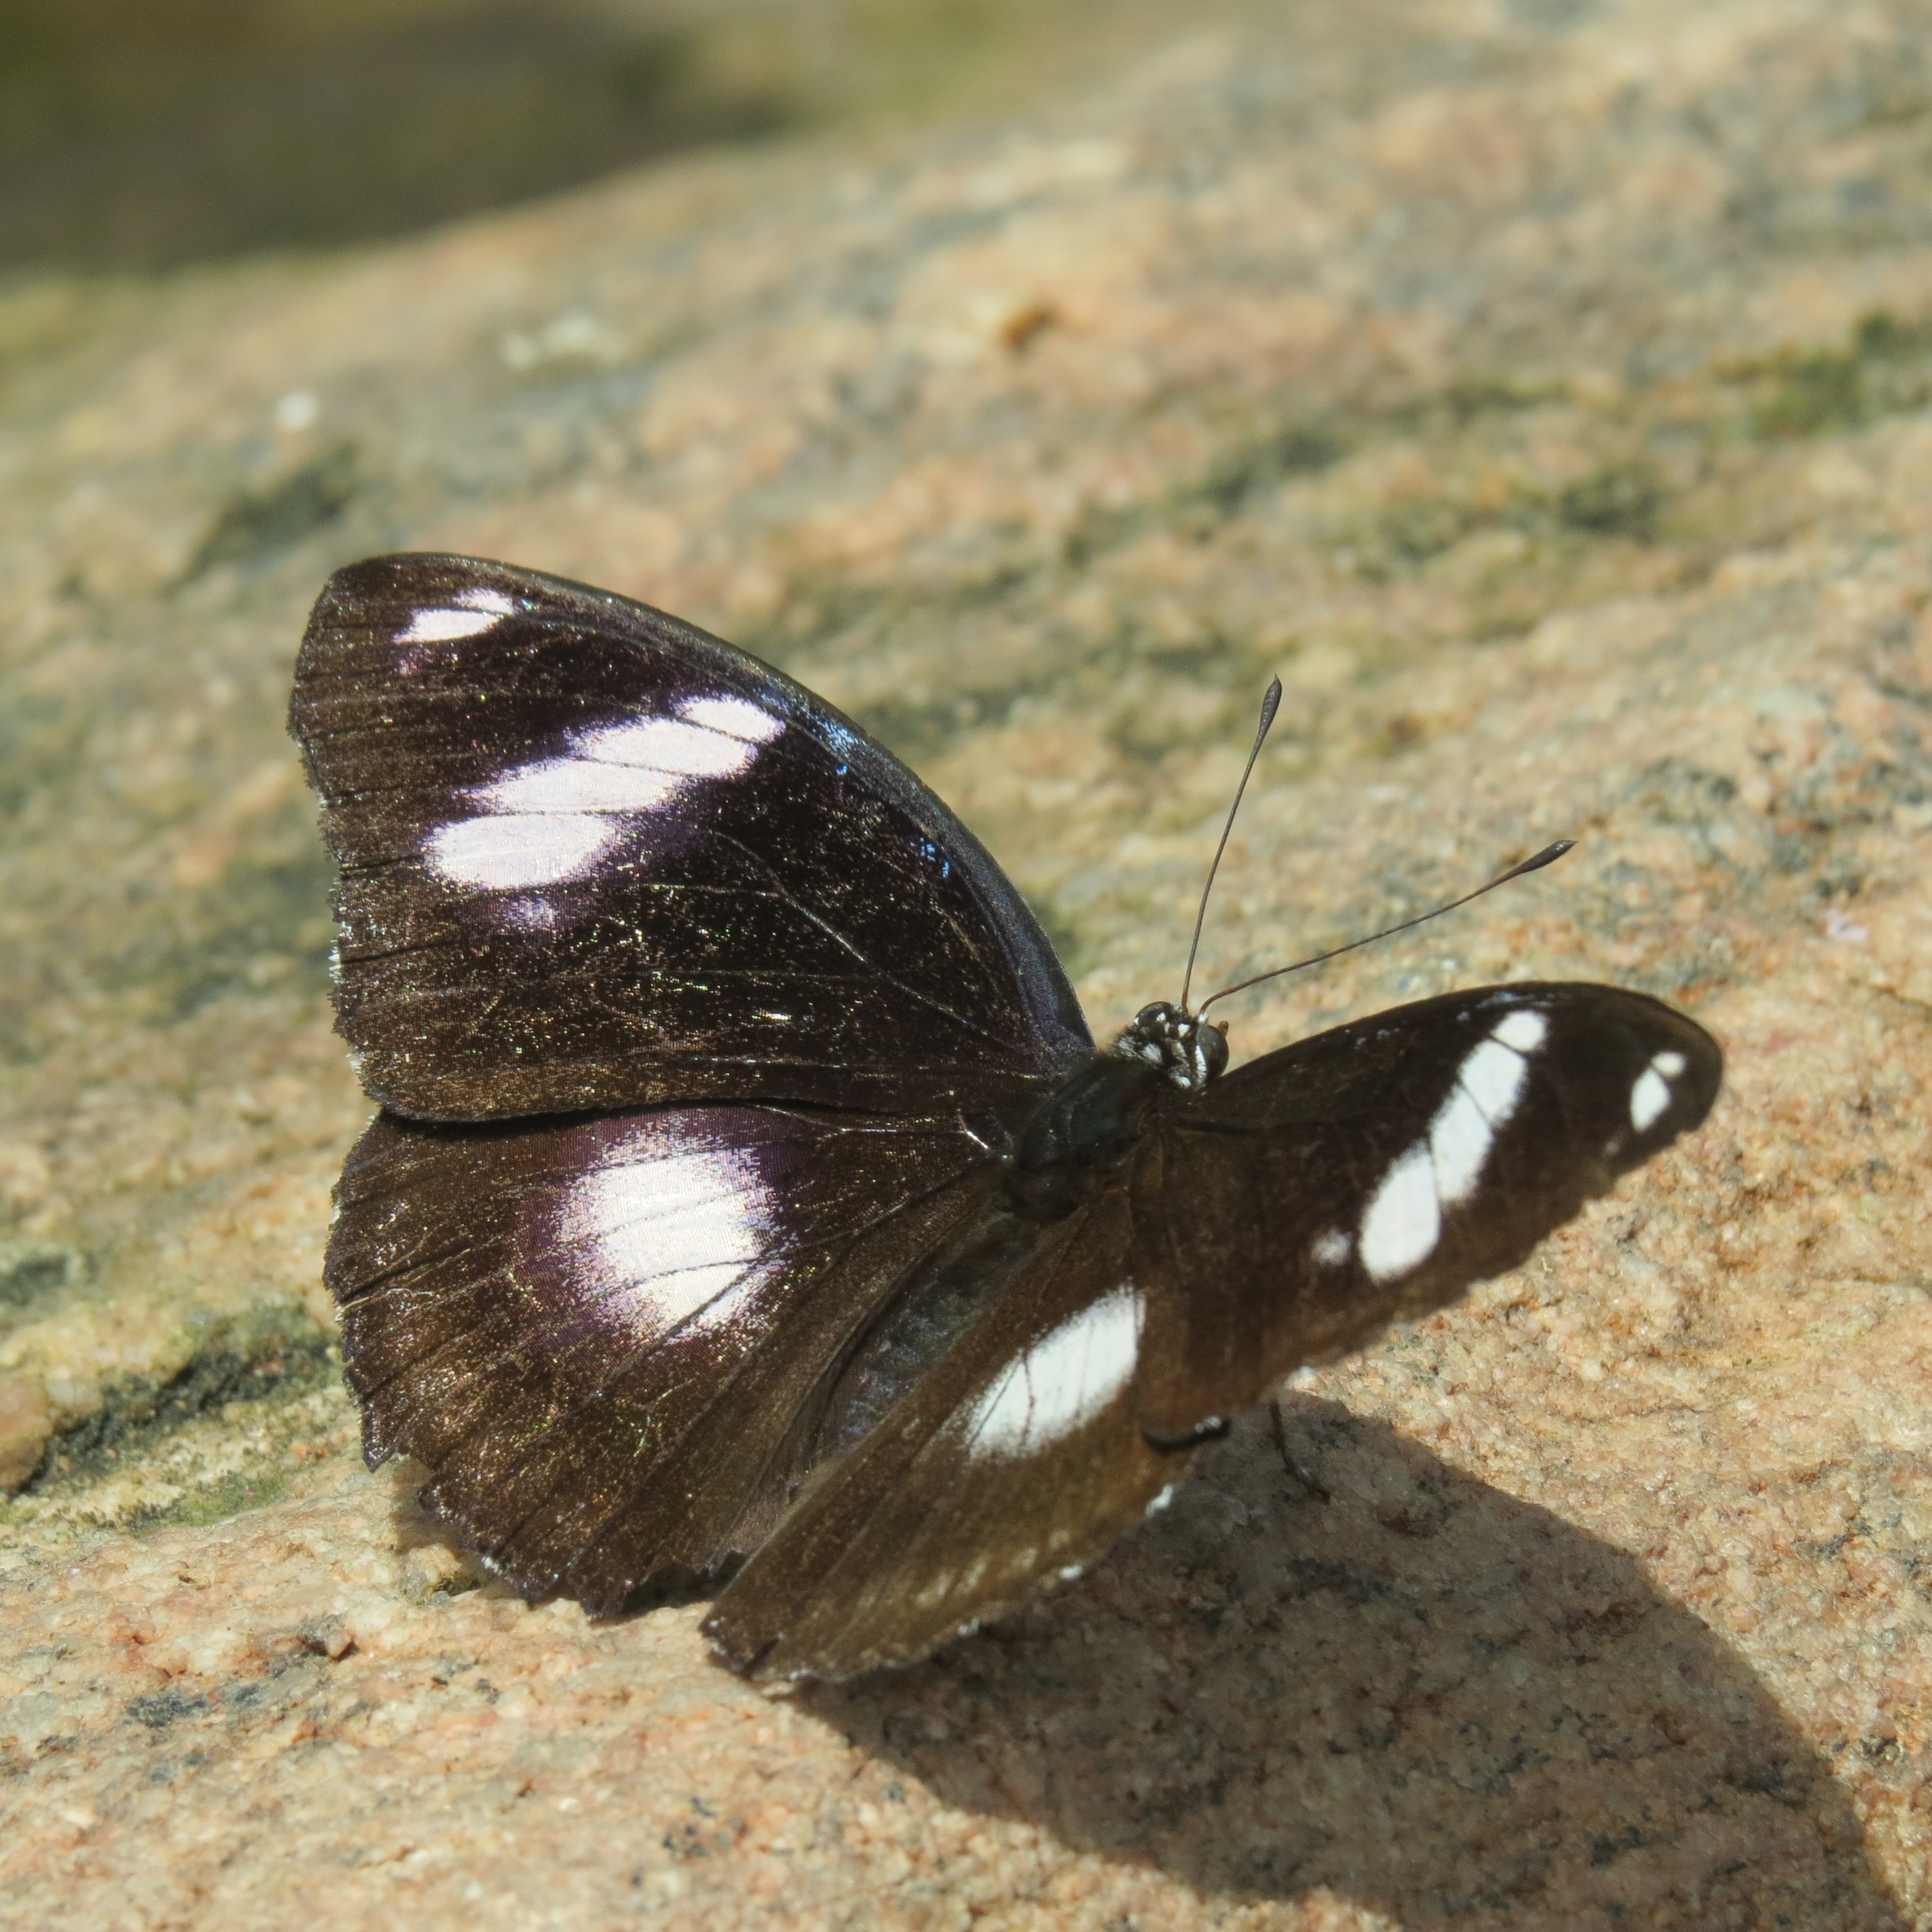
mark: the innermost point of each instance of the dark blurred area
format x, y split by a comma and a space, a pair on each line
143, 134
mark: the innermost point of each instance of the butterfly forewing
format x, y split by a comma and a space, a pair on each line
591, 856
609, 1338
1377, 1170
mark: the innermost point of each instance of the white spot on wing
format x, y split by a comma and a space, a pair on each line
579, 784
1488, 1083
438, 625
548, 820
480, 597
1649, 1098
1525, 1029
669, 745
1459, 1140
1493, 1076
1670, 1065
1404, 1220
674, 1239
517, 849
1063, 1380
1331, 1249
737, 716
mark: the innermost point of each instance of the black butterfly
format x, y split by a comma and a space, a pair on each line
748, 1184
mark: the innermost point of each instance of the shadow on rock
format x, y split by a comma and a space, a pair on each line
1380, 1676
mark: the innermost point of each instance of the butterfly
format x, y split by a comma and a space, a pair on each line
748, 1200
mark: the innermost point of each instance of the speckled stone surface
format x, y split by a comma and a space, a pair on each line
1546, 391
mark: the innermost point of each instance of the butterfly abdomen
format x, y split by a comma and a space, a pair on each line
940, 1302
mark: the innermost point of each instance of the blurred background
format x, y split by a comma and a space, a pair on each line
144, 134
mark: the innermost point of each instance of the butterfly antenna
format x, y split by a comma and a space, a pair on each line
1270, 704
1548, 856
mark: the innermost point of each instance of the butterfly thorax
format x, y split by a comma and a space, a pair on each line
1088, 1123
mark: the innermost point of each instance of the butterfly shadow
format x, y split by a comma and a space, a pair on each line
1338, 1663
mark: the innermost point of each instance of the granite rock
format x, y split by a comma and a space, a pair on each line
1546, 391
26, 1422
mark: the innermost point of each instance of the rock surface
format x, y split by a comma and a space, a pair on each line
1545, 390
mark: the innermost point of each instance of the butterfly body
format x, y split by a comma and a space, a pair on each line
1082, 1130
749, 1199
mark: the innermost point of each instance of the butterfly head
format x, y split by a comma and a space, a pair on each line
1188, 1051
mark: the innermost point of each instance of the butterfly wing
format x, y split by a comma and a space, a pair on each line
1017, 1458
612, 1340
592, 857
1377, 1170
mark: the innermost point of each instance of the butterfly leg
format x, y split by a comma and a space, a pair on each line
1295, 1473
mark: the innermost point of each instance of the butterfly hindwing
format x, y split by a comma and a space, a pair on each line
610, 1338
1377, 1170
592, 857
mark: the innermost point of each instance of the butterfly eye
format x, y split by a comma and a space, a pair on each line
1209, 1043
